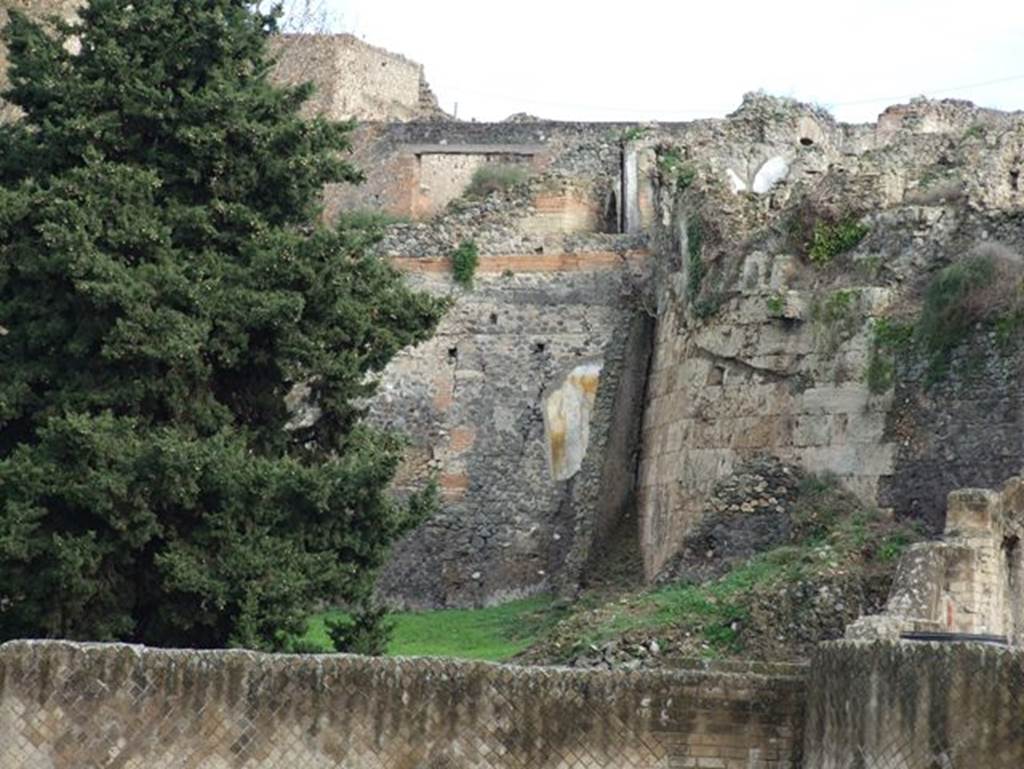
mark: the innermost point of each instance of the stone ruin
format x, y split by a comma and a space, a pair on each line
641, 325
969, 582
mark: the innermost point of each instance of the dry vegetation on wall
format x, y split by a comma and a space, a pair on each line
986, 287
495, 177
981, 293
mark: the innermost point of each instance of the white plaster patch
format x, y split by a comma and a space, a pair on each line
567, 410
736, 183
771, 172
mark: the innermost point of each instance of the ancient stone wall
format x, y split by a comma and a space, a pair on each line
967, 429
777, 367
915, 706
967, 582
416, 169
768, 352
71, 706
353, 79
472, 402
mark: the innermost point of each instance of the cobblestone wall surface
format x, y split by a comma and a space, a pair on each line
70, 706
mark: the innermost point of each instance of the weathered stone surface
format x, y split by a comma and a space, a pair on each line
967, 429
910, 705
473, 401
79, 706
970, 581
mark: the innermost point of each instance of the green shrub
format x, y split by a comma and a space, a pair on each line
163, 286
887, 338
986, 287
776, 304
465, 259
837, 318
694, 252
495, 177
633, 133
673, 168
829, 239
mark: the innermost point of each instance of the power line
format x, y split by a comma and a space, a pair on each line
951, 89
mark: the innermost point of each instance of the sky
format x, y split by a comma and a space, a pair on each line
642, 60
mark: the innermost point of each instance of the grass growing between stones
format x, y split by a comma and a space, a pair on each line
495, 633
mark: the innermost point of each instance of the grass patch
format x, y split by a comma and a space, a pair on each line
495, 633
495, 177
465, 260
832, 536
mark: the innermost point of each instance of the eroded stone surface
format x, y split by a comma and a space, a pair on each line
69, 706
967, 582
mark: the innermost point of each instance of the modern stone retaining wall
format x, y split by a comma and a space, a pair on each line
882, 705
84, 706
915, 706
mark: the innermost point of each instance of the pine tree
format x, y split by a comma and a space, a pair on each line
162, 289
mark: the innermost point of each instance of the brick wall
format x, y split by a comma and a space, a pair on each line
72, 706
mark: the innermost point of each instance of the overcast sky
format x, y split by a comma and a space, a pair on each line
647, 60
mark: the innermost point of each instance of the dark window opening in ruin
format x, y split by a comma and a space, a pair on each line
1015, 180
716, 376
539, 347
612, 222
1014, 555
494, 318
1014, 558
807, 141
453, 353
